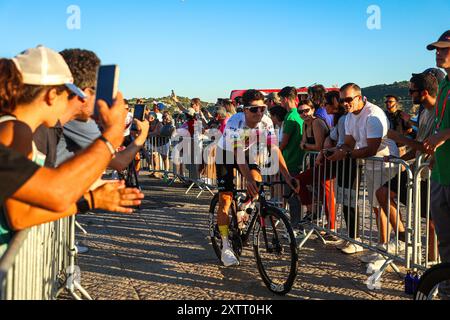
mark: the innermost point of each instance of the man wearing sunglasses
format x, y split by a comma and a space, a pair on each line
247, 135
366, 129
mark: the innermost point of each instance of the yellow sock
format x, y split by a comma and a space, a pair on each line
224, 232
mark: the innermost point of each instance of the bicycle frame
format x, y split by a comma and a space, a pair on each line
255, 215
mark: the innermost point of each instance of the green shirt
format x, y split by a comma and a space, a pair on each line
441, 170
293, 126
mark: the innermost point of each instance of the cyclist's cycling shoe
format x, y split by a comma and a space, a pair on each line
229, 258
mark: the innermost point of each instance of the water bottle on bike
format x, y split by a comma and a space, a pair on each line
246, 205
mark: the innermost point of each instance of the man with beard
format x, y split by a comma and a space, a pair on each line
423, 91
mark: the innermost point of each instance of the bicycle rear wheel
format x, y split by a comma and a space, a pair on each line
430, 282
275, 250
214, 233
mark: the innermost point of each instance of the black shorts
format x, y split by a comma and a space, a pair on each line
424, 196
225, 173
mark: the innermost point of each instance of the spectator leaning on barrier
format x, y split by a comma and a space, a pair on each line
366, 129
440, 76
345, 170
423, 90
79, 129
396, 121
289, 146
315, 131
30, 96
439, 145
317, 96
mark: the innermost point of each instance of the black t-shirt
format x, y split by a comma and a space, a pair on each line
15, 170
46, 140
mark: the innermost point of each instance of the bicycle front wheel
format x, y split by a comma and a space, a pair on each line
275, 250
428, 288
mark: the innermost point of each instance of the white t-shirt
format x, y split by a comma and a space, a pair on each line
237, 133
371, 123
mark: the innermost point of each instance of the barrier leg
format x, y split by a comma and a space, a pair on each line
71, 284
81, 228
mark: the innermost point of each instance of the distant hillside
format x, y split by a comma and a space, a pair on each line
167, 101
376, 94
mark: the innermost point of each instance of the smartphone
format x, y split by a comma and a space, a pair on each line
139, 112
107, 85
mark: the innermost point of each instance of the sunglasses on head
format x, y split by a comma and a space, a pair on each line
304, 111
255, 109
348, 99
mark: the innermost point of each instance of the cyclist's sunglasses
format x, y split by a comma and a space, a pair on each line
255, 109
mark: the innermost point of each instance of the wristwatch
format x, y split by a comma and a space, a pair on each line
83, 206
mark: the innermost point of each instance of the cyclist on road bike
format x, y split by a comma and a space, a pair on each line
244, 133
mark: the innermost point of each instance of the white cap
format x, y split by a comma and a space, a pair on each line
45, 67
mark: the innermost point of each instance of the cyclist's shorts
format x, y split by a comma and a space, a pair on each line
226, 174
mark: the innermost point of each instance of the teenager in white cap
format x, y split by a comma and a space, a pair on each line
42, 83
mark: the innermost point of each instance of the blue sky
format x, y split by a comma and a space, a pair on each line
206, 48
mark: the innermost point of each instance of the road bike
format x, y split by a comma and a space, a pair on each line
274, 243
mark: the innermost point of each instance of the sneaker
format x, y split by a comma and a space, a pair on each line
330, 239
352, 248
371, 257
342, 244
392, 248
229, 257
375, 266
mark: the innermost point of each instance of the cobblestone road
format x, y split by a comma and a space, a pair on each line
163, 252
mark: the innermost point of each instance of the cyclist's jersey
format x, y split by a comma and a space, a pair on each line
238, 135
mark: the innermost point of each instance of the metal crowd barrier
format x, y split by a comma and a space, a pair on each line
34, 262
346, 210
341, 201
164, 162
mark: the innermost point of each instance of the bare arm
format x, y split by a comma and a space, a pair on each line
111, 197
123, 159
319, 130
285, 142
401, 139
57, 189
370, 151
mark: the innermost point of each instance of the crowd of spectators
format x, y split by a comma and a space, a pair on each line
53, 152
